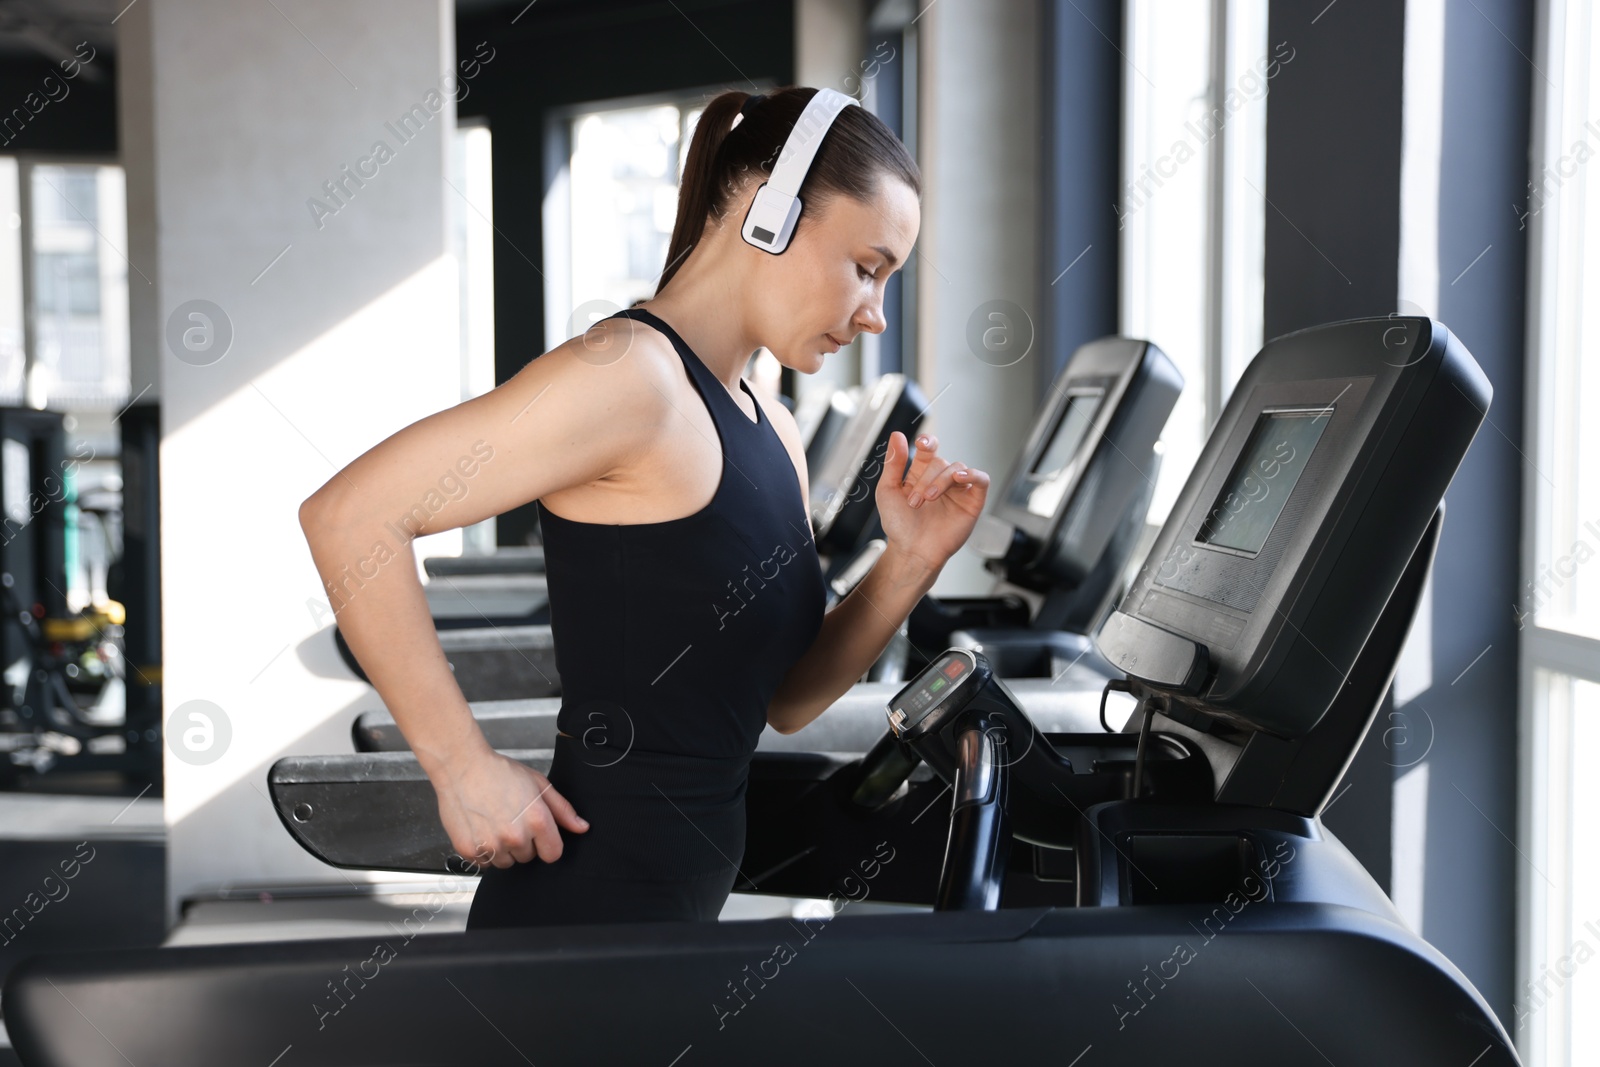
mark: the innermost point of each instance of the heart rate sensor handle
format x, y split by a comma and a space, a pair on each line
770, 222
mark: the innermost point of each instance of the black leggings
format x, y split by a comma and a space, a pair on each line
537, 893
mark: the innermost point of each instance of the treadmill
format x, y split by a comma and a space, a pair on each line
844, 509
511, 658
1157, 893
1061, 532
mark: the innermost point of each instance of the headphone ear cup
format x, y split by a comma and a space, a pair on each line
774, 210
770, 222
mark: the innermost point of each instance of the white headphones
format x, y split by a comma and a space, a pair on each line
770, 222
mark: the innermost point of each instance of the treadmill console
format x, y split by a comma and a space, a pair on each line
842, 486
1302, 511
928, 701
1087, 464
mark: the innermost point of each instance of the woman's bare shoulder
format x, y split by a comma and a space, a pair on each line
580, 412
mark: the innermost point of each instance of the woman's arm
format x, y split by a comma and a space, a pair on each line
563, 420
925, 519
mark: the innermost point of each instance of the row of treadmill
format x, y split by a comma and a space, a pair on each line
1157, 891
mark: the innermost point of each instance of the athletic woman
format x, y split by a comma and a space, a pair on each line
686, 597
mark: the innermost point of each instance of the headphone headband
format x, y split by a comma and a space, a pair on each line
772, 216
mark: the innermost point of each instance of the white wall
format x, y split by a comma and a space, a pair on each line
232, 118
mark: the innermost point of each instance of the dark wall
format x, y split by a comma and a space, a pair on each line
1471, 865
562, 52
1333, 251
1333, 163
43, 110
1082, 158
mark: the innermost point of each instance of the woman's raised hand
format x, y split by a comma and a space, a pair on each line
932, 512
498, 812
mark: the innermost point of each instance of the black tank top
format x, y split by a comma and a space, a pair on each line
671, 638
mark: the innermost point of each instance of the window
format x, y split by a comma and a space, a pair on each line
1558, 608
68, 223
472, 242
612, 200
1192, 212
64, 336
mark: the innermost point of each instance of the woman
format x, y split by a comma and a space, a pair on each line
685, 592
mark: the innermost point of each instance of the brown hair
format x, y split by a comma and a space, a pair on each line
857, 152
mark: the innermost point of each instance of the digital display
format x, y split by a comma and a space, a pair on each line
914, 705
1049, 471
1272, 461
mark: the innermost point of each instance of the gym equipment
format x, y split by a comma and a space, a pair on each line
820, 417
377, 810
1181, 876
844, 509
507, 559
69, 701
1060, 531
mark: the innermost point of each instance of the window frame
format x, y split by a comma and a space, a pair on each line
1546, 654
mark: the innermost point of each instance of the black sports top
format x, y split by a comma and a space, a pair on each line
671, 638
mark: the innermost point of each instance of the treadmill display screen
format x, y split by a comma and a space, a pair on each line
1050, 470
1272, 462
947, 672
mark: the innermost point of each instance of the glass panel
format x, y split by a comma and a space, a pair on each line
1192, 212
1583, 926
472, 240
80, 289
1164, 210
11, 357
625, 165
1556, 1021
1564, 202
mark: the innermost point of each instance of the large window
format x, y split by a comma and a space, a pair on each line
1558, 987
1192, 210
64, 335
472, 243
63, 285
610, 205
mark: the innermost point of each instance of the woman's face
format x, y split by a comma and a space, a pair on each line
827, 286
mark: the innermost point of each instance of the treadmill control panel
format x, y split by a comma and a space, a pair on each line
929, 698
1298, 519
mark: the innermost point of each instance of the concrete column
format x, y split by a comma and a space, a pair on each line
980, 287
294, 302
829, 45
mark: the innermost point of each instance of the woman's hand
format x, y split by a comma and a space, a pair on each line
932, 513
499, 812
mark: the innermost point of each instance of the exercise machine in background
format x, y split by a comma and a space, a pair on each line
81, 688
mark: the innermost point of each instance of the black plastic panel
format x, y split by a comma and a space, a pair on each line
1034, 986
